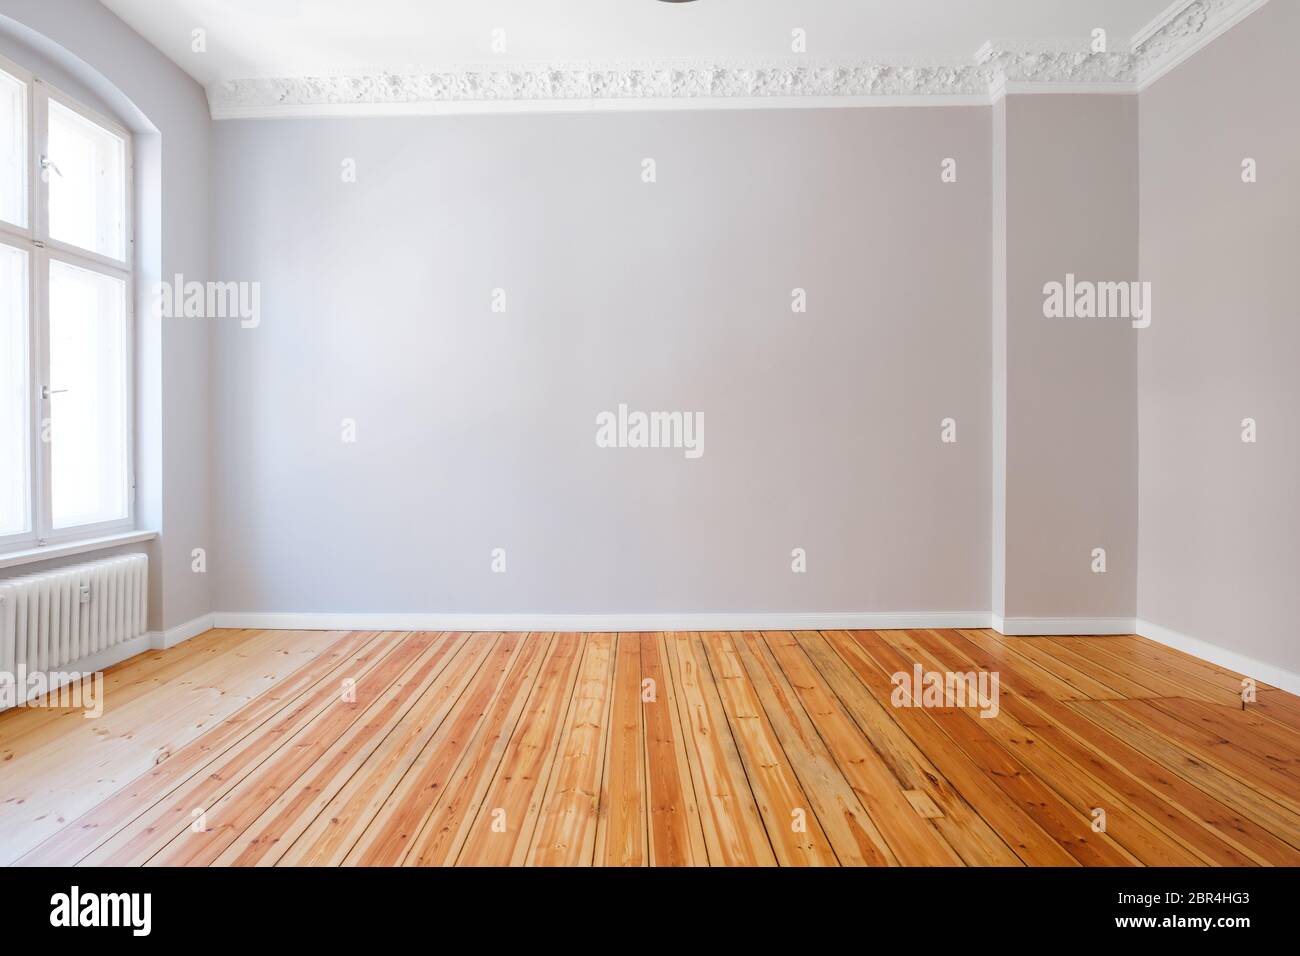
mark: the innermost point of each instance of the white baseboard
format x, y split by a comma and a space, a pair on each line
1215, 654
161, 640
1048, 626
780, 621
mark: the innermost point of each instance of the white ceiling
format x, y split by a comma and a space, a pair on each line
297, 38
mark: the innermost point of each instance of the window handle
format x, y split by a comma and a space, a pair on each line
47, 164
46, 392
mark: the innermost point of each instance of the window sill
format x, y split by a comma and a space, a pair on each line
67, 549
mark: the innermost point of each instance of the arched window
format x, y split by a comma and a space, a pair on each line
66, 317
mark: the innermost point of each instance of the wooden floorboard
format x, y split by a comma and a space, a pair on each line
782, 748
502, 830
1200, 823
570, 819
412, 771
622, 836
51, 778
445, 828
850, 785
676, 834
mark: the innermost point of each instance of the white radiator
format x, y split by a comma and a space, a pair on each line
54, 618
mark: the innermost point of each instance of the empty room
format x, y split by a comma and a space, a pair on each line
647, 434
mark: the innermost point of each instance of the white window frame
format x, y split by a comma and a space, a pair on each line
35, 240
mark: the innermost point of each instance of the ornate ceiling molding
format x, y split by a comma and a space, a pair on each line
792, 81
1182, 29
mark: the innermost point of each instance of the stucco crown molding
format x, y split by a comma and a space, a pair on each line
596, 81
1182, 29
1065, 65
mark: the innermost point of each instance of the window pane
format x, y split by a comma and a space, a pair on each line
15, 466
13, 149
88, 396
87, 179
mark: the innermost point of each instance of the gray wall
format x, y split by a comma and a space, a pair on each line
1220, 519
476, 430
1070, 386
81, 46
